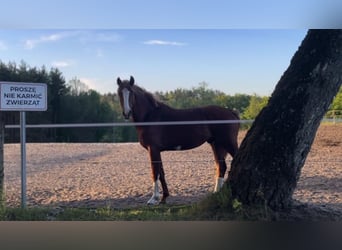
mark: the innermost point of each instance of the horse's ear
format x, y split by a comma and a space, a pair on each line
131, 81
118, 81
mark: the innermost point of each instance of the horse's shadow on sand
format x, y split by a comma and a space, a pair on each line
313, 184
139, 201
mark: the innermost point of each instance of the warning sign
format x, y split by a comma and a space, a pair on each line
23, 96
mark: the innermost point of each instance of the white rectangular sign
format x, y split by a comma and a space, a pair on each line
20, 96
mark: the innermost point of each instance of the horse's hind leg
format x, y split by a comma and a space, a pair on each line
232, 148
220, 154
157, 173
164, 185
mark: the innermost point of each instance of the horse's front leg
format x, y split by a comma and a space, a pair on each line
157, 174
221, 166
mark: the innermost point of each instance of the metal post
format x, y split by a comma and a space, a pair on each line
2, 170
23, 157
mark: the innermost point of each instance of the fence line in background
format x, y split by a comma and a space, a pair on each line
23, 126
125, 124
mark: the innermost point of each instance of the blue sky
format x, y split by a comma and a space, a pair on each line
234, 46
170, 14
230, 60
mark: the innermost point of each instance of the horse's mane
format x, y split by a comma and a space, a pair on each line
149, 96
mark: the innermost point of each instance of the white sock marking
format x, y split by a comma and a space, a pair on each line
155, 196
219, 184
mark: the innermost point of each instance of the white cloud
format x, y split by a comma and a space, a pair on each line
91, 37
32, 43
62, 64
91, 83
83, 36
163, 42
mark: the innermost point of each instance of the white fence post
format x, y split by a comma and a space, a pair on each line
23, 157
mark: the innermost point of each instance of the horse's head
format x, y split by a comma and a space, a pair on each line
135, 101
126, 96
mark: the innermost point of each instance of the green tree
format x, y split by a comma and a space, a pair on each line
179, 98
56, 90
197, 96
337, 102
256, 104
238, 102
118, 134
335, 109
76, 86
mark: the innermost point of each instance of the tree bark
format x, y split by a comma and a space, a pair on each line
268, 164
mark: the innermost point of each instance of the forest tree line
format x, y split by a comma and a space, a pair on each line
74, 102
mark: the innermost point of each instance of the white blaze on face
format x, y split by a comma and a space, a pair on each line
125, 96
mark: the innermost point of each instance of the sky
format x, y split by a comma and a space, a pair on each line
234, 46
229, 60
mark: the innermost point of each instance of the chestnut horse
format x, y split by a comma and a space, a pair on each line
141, 106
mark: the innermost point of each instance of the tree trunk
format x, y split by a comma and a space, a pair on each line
268, 164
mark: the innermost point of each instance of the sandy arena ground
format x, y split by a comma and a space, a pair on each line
118, 174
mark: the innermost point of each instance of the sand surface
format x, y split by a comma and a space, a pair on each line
118, 174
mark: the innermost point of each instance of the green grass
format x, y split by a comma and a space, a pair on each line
217, 206
145, 213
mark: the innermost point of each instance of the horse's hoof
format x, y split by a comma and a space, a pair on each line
153, 201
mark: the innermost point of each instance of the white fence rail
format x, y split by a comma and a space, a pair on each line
125, 124
114, 124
